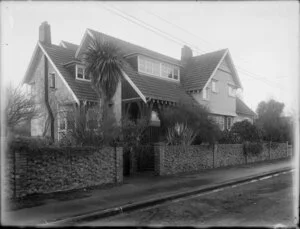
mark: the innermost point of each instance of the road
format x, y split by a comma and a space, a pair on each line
266, 202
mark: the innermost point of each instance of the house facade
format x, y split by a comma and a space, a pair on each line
151, 81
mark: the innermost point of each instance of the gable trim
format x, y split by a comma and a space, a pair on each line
56, 69
134, 86
87, 32
234, 70
214, 72
30, 63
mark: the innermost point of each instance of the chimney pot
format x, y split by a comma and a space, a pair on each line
45, 33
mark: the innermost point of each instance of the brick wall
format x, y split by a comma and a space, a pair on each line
178, 159
58, 169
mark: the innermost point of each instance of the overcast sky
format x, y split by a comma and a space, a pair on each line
262, 37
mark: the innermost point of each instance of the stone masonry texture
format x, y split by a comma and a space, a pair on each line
52, 169
179, 159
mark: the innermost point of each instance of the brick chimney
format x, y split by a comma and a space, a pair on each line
186, 53
45, 33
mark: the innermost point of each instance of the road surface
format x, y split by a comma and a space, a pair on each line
266, 202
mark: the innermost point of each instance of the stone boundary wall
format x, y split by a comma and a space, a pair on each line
179, 159
52, 169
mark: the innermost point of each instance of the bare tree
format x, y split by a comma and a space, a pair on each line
19, 107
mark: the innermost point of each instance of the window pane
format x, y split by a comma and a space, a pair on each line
80, 72
167, 71
176, 73
142, 64
156, 68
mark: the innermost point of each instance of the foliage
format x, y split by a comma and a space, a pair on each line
246, 131
19, 108
180, 134
86, 130
229, 137
252, 148
104, 63
132, 132
195, 117
275, 127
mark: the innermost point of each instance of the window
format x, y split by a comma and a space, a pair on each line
52, 80
231, 91
205, 94
152, 67
176, 73
80, 73
149, 66
214, 86
228, 122
166, 71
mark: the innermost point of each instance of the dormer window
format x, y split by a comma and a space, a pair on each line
80, 73
156, 68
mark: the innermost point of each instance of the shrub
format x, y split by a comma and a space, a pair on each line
194, 117
132, 132
180, 134
252, 148
228, 137
246, 131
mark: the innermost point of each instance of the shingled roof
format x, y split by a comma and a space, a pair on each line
150, 87
199, 69
69, 45
59, 57
128, 48
242, 108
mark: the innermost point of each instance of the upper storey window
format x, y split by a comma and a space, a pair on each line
155, 68
149, 66
80, 73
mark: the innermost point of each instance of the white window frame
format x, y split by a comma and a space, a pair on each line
214, 86
160, 68
52, 76
228, 127
231, 90
205, 93
76, 72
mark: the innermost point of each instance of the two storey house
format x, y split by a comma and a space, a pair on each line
57, 78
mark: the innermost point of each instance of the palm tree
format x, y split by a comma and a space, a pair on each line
104, 63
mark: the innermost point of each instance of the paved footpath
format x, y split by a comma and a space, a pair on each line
135, 189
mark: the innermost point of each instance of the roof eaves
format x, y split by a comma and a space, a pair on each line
234, 70
134, 87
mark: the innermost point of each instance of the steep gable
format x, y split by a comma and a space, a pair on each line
200, 69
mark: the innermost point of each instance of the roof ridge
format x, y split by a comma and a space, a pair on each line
220, 50
69, 43
175, 59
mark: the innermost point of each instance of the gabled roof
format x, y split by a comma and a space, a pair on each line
126, 47
200, 69
242, 108
149, 87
